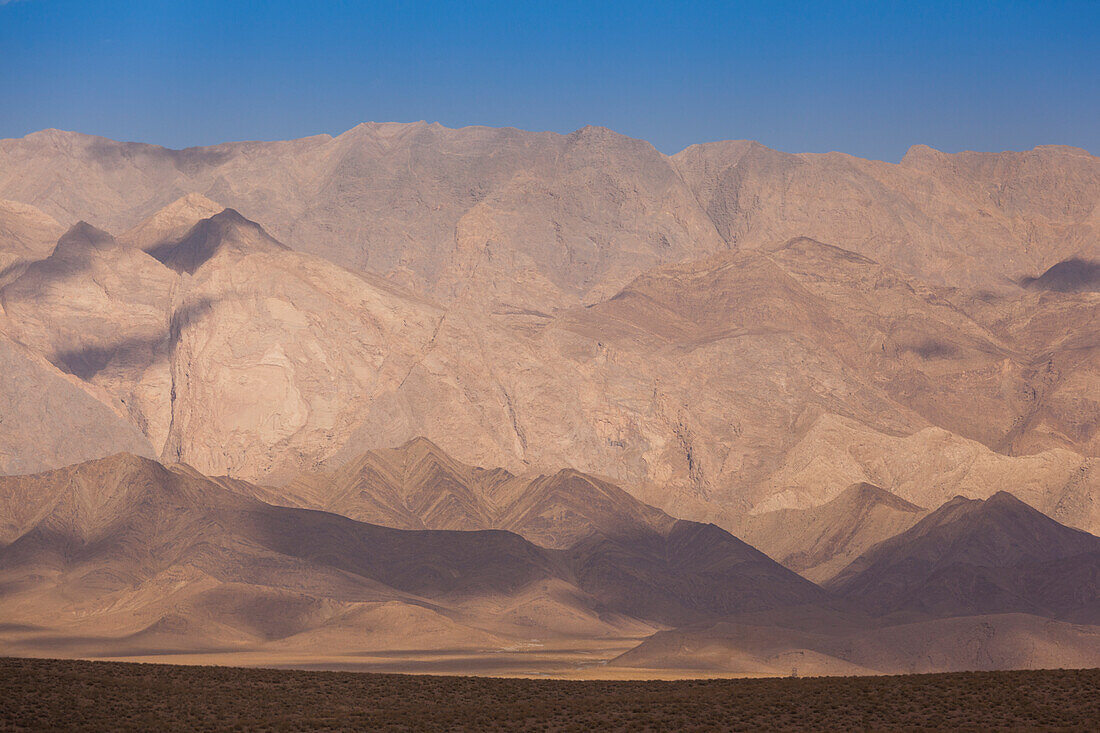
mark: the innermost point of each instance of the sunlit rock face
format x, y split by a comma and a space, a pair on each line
726, 332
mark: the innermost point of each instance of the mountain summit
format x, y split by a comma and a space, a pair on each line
226, 231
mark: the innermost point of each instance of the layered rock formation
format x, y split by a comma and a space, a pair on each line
627, 340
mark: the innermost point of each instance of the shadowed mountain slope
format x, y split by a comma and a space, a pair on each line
966, 643
129, 544
988, 584
122, 553
973, 557
169, 225
693, 572
621, 551
225, 231
1071, 276
140, 519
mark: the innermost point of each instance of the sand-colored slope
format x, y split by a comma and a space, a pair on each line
692, 426
927, 468
821, 541
732, 380
289, 352
236, 354
49, 418
26, 234
970, 219
101, 311
747, 382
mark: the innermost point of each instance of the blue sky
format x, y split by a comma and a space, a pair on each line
868, 78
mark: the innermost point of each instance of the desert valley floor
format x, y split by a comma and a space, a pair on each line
106, 696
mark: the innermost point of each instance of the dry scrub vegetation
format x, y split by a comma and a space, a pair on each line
59, 695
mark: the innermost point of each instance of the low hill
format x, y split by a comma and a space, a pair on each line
983, 642
139, 556
974, 557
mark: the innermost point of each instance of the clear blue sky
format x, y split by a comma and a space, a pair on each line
868, 78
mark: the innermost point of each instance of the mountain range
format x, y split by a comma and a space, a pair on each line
122, 556
726, 389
